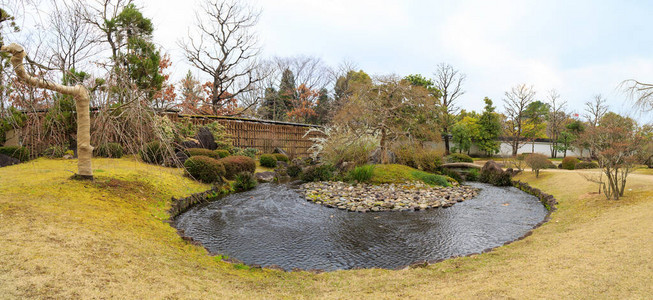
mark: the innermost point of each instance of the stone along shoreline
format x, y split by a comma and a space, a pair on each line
409, 196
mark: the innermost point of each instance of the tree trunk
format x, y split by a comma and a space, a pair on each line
384, 154
446, 143
82, 100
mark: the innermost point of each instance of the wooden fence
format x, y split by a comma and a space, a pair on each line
263, 135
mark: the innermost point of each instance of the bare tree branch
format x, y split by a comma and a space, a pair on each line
225, 48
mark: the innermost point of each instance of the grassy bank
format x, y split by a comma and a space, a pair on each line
68, 239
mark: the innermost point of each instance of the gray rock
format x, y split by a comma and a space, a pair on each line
7, 160
264, 176
206, 139
190, 144
181, 156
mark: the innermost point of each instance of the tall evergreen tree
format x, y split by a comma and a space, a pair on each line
489, 129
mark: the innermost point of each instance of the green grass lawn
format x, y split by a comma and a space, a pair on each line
109, 239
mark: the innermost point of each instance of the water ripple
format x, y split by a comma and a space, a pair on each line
273, 225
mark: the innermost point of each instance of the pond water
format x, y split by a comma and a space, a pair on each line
274, 225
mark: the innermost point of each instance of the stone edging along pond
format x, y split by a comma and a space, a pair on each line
180, 205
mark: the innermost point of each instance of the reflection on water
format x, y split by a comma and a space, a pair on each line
273, 225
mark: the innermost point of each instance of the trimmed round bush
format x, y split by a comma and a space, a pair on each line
153, 153
19, 153
204, 168
586, 165
222, 153
111, 150
202, 152
569, 163
236, 164
268, 160
459, 157
54, 151
281, 157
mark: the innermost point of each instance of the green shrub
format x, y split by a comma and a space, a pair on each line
220, 135
431, 179
459, 157
111, 150
222, 153
318, 173
235, 151
236, 164
268, 161
362, 173
202, 152
412, 154
204, 168
537, 162
250, 152
569, 162
245, 181
339, 144
19, 153
281, 157
405, 153
451, 173
472, 175
54, 151
429, 160
153, 153
294, 170
586, 165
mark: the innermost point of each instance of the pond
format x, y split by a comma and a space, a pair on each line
274, 225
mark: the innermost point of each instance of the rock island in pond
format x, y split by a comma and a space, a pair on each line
385, 197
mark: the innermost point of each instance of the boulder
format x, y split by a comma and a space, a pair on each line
7, 160
191, 143
206, 139
493, 174
492, 167
265, 176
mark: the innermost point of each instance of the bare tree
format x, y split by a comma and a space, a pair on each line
556, 119
225, 48
641, 93
308, 70
74, 38
449, 81
594, 110
515, 104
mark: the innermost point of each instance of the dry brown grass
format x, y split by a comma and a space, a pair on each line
67, 239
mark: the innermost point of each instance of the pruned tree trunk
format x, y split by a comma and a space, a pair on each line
82, 99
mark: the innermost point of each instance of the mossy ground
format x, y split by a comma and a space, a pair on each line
107, 239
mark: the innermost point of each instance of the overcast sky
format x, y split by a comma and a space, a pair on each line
579, 48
